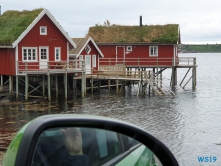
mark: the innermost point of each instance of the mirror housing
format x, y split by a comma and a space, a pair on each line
33, 130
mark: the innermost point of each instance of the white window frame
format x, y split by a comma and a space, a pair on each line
55, 53
94, 61
81, 58
129, 48
30, 48
45, 30
152, 51
88, 49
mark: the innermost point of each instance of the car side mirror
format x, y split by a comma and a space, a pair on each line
93, 140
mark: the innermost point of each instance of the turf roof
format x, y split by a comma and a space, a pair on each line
168, 33
13, 23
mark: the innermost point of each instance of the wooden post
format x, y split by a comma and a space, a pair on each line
74, 84
43, 86
56, 85
17, 82
149, 82
10, 84
153, 79
49, 87
161, 78
92, 84
117, 88
174, 76
83, 84
194, 77
26, 87
65, 86
194, 74
109, 85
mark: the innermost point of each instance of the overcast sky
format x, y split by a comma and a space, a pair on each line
199, 20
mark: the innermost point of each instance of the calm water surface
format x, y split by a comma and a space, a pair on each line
189, 123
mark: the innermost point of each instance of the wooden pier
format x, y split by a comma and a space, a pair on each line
148, 78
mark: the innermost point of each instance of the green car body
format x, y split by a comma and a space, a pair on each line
115, 145
12, 150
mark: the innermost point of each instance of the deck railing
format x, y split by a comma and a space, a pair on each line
51, 65
151, 61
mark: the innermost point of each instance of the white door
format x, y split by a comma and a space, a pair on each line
88, 64
43, 57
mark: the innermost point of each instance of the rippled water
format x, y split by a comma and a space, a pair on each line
188, 123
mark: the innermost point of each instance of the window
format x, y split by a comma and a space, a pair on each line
129, 48
57, 53
153, 51
44, 53
29, 54
87, 49
43, 30
94, 61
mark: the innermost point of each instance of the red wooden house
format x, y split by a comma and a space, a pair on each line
133, 46
86, 50
31, 40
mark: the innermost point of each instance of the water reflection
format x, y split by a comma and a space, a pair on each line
188, 123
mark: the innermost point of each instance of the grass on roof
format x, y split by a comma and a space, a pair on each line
147, 33
13, 23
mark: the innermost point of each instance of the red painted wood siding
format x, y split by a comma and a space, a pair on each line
54, 38
93, 51
7, 61
165, 54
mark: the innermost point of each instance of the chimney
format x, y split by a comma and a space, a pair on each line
140, 21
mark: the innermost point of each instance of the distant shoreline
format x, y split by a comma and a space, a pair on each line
199, 48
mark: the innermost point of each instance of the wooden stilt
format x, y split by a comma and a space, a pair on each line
174, 76
138, 89
92, 85
56, 85
17, 87
149, 84
26, 87
49, 88
161, 78
65, 86
10, 84
194, 78
117, 86
194, 74
43, 86
74, 85
83, 84
154, 81
109, 85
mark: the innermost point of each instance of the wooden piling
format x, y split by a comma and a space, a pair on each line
17, 87
43, 86
56, 85
26, 87
65, 86
49, 88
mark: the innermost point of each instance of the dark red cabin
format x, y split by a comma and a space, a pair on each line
37, 45
133, 46
87, 51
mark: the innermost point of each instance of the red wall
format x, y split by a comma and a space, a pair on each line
7, 61
92, 52
54, 38
141, 52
